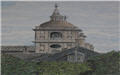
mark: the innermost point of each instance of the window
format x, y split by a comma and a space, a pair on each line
56, 35
55, 46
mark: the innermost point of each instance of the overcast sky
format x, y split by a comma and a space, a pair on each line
98, 20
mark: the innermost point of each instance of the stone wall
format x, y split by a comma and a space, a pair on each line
17, 49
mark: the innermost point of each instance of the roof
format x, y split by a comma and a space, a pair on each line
62, 24
56, 57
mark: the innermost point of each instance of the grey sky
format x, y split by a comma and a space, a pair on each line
98, 20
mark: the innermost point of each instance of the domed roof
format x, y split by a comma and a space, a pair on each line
57, 24
57, 20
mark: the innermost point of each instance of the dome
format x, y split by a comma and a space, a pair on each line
57, 24
57, 20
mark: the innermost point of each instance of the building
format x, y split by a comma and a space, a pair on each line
58, 35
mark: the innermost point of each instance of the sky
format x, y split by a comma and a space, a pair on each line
98, 20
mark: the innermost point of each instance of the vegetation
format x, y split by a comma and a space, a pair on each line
14, 66
105, 64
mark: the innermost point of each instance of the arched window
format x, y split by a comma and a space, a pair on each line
56, 35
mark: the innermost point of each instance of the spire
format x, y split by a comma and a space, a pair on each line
56, 6
56, 16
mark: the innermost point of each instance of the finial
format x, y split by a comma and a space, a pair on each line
56, 5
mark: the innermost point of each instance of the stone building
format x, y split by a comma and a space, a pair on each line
58, 34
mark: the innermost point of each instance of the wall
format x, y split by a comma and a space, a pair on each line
17, 49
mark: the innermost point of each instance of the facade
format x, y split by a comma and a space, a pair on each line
58, 35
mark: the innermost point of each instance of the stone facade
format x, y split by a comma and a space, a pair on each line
58, 34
